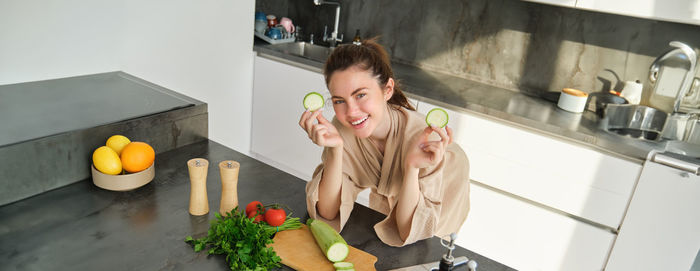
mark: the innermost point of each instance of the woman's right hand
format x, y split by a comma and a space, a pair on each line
322, 133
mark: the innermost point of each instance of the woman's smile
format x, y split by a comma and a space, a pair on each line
359, 123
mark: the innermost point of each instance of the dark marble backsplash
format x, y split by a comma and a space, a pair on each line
522, 46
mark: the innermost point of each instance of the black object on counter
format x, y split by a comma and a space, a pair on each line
602, 99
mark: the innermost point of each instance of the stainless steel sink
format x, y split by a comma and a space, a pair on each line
636, 121
305, 50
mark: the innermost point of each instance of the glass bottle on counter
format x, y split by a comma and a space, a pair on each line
357, 40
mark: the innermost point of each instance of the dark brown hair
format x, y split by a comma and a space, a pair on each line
369, 56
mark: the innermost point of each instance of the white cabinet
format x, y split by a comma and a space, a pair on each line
564, 176
277, 139
662, 225
526, 237
556, 204
680, 11
683, 11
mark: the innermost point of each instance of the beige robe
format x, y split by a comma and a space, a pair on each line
444, 202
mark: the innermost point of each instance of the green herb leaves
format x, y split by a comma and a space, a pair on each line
243, 242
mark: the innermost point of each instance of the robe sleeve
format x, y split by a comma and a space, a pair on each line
427, 214
348, 194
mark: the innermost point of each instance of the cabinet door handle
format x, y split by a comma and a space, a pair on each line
676, 163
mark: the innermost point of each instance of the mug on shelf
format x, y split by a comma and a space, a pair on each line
283, 32
288, 25
260, 16
274, 33
260, 26
271, 21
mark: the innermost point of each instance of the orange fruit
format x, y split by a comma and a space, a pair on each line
137, 156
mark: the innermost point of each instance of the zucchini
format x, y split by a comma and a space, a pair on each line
343, 266
313, 101
437, 116
331, 243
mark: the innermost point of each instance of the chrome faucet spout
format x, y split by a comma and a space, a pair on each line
690, 56
333, 38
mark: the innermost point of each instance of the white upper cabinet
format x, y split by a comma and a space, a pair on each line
681, 11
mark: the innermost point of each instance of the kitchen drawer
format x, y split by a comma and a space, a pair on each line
527, 237
558, 174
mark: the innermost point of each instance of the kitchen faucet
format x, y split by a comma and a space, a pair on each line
680, 122
690, 56
447, 263
333, 38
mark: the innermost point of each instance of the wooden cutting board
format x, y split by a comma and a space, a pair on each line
298, 250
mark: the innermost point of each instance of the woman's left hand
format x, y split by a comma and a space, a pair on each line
423, 153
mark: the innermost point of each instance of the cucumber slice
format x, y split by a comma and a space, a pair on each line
343, 266
437, 116
313, 101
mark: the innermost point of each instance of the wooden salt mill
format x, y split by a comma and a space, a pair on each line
229, 185
199, 204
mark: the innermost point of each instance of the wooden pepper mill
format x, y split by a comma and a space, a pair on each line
229, 185
199, 204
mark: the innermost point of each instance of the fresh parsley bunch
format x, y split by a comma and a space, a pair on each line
243, 242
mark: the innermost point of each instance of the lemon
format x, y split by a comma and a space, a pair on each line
107, 161
117, 143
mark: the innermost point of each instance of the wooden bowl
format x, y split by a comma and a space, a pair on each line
124, 182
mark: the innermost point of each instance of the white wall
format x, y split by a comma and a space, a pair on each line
202, 49
59, 38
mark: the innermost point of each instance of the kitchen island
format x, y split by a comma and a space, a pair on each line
83, 227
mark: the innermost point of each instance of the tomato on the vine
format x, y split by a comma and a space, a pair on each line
257, 216
275, 216
253, 206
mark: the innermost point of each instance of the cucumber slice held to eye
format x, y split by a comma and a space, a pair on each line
313, 101
437, 117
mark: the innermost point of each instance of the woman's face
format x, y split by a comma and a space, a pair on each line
360, 102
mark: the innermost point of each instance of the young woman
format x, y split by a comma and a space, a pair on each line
377, 141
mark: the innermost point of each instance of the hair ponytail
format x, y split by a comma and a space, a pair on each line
370, 56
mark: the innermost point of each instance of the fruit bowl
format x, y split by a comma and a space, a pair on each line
123, 182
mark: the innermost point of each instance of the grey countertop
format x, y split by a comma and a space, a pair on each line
514, 108
43, 108
82, 227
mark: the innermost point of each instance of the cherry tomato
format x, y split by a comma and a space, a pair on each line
253, 206
275, 217
258, 217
